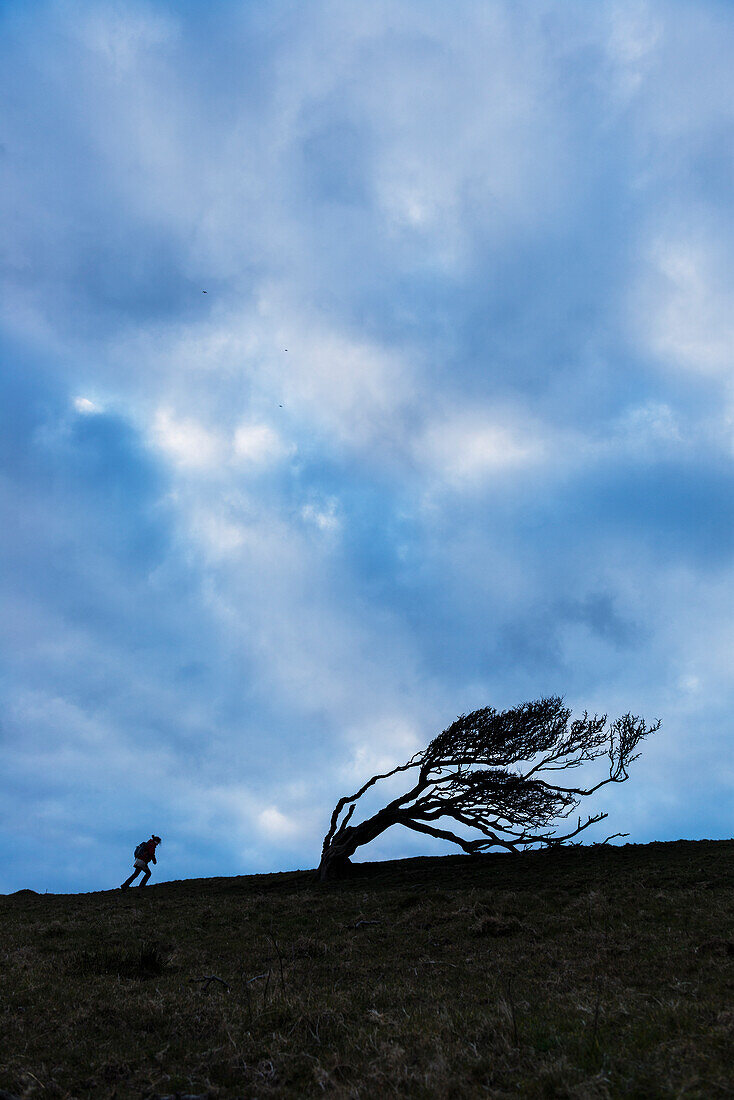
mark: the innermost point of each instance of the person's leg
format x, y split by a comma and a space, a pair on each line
146, 876
133, 876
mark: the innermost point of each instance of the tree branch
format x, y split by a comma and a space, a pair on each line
442, 834
412, 763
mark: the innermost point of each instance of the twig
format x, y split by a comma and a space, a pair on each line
258, 977
249, 1000
592, 1040
601, 843
208, 979
185, 1096
361, 922
511, 1000
280, 962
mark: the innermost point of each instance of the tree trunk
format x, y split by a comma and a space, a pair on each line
335, 860
333, 867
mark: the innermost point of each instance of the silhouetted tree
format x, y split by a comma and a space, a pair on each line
491, 773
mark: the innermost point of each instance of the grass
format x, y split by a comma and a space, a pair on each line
585, 973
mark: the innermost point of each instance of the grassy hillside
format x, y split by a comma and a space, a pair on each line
586, 972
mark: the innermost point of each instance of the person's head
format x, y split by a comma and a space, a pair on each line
156, 839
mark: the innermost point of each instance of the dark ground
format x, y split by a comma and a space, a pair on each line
584, 972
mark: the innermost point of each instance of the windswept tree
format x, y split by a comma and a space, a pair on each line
495, 776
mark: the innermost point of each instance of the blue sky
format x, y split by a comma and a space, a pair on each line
452, 426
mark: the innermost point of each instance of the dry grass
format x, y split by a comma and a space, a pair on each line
585, 973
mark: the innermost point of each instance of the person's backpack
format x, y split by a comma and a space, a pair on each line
142, 850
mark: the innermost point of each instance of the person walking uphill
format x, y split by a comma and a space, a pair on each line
144, 853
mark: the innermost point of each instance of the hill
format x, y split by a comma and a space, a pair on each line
582, 972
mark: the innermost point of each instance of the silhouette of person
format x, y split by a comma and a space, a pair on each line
146, 854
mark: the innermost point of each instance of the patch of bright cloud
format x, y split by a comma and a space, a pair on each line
353, 389
466, 449
324, 517
186, 442
276, 825
219, 535
85, 406
259, 445
687, 314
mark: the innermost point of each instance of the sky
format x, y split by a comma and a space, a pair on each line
361, 364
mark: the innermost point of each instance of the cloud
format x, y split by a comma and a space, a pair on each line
324, 517
687, 303
85, 406
275, 824
451, 425
467, 449
259, 444
186, 442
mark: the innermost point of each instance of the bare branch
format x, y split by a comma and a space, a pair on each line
412, 763
601, 843
441, 834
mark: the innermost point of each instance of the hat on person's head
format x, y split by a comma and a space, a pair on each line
157, 839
